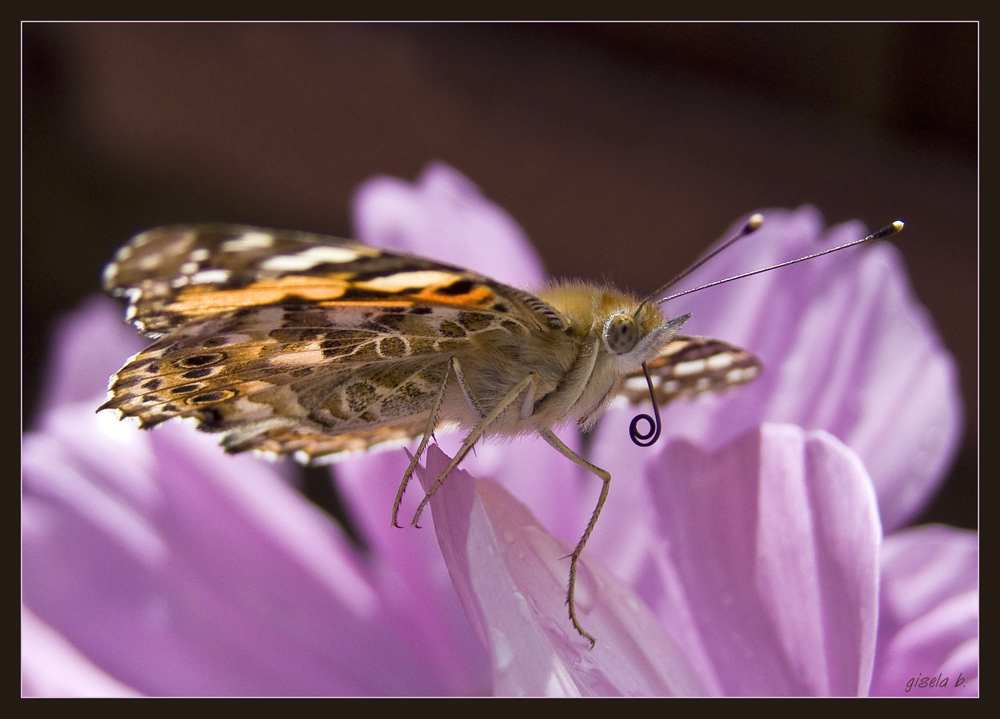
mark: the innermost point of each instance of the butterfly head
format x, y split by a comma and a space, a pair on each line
635, 337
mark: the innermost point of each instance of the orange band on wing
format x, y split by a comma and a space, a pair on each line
478, 296
326, 291
196, 300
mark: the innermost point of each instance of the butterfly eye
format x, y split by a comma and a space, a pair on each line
621, 333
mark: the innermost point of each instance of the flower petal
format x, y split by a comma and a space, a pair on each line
846, 348
929, 614
419, 587
52, 667
154, 563
177, 569
88, 346
760, 559
443, 216
511, 576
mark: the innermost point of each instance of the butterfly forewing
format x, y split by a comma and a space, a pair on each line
173, 275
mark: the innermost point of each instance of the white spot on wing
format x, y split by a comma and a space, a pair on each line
308, 259
401, 280
741, 374
139, 241
298, 359
720, 361
110, 272
149, 262
636, 384
209, 276
682, 369
249, 241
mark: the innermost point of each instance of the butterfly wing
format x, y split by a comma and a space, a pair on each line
173, 275
286, 379
295, 343
689, 366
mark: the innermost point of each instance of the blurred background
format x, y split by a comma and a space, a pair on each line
623, 150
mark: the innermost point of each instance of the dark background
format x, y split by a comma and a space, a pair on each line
622, 149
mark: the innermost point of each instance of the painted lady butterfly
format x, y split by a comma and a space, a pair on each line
293, 343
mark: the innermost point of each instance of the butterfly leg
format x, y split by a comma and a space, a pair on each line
428, 432
528, 383
605, 477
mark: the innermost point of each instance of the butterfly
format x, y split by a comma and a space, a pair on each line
299, 344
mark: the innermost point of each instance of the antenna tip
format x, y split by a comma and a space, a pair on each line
755, 221
890, 229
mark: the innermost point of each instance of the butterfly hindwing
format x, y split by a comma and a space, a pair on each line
305, 379
689, 366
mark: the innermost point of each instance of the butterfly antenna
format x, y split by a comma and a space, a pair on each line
752, 225
646, 439
890, 229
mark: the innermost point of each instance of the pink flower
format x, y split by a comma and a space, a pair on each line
741, 555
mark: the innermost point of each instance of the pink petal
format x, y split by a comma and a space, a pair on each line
52, 667
846, 348
511, 577
420, 584
177, 569
443, 216
88, 346
155, 563
760, 559
929, 614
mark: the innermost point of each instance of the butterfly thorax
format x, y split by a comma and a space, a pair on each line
597, 371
